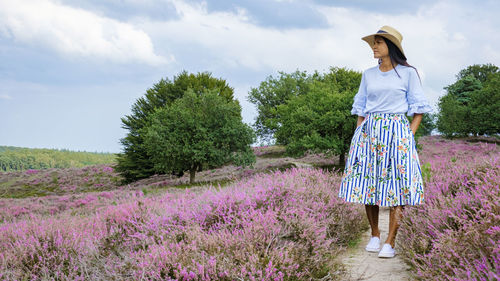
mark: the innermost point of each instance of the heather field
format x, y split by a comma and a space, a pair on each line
456, 234
275, 221
284, 225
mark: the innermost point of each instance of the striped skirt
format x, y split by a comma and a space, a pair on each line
383, 166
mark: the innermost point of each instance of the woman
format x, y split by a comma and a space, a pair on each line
383, 167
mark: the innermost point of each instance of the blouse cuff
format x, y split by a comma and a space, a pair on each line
419, 108
357, 111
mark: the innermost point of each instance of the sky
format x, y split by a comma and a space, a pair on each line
70, 70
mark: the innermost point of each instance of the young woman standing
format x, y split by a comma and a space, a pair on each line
383, 167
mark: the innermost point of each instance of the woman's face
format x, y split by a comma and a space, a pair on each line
379, 48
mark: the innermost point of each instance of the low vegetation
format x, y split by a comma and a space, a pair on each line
455, 235
21, 159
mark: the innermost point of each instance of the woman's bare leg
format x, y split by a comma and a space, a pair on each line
395, 215
372, 214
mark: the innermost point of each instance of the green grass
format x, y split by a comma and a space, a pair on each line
154, 190
355, 242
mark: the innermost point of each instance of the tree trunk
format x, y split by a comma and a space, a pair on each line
192, 173
342, 159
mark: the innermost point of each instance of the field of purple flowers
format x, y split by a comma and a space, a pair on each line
281, 226
80, 224
455, 235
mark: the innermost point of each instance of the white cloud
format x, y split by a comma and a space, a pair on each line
75, 32
236, 42
436, 40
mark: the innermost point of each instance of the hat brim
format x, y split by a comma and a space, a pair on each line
370, 39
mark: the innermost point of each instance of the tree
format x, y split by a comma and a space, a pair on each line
462, 89
478, 71
196, 130
134, 163
467, 108
320, 119
273, 92
485, 107
452, 117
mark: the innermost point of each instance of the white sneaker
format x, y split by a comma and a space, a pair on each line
373, 245
387, 251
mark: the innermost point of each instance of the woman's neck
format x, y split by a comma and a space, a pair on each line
386, 65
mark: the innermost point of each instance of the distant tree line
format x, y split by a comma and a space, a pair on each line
19, 158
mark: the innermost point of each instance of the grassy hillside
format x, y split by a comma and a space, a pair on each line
20, 159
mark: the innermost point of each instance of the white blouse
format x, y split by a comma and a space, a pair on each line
386, 92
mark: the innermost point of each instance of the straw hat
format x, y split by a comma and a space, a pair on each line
388, 32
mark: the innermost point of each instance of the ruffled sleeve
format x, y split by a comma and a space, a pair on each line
358, 107
417, 102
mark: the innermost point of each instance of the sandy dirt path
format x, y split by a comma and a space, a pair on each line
364, 265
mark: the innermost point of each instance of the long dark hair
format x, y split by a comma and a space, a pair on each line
396, 56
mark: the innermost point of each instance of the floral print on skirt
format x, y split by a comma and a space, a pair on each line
383, 166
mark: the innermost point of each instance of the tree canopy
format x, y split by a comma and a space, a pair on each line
198, 130
308, 112
471, 103
134, 162
273, 92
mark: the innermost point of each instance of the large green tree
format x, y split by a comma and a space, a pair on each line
485, 107
320, 119
273, 92
452, 117
134, 163
198, 130
467, 106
